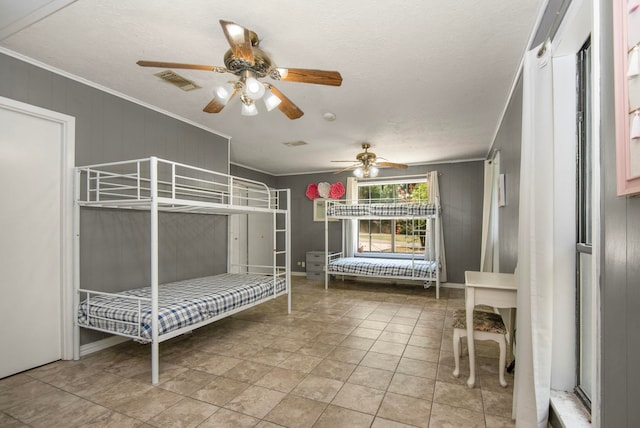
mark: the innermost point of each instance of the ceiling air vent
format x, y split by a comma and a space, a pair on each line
296, 143
177, 80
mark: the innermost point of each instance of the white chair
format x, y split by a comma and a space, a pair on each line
486, 326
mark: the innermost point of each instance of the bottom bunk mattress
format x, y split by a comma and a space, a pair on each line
366, 266
180, 303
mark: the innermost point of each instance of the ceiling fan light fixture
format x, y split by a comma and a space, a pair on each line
283, 72
249, 109
254, 88
373, 171
271, 101
223, 93
358, 172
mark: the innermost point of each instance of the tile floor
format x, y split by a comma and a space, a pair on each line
357, 355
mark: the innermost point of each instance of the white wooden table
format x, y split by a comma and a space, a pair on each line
486, 288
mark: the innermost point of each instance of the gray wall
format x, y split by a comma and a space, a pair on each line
461, 193
115, 246
620, 245
507, 142
620, 269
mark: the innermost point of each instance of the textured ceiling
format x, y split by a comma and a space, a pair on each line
423, 80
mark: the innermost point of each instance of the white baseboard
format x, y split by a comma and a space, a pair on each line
99, 345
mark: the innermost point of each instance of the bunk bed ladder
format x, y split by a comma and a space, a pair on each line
285, 232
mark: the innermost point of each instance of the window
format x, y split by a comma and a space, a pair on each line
392, 236
584, 283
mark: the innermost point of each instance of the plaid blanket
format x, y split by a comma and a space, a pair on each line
366, 266
180, 303
418, 209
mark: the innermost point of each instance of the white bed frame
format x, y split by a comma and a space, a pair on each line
329, 255
156, 185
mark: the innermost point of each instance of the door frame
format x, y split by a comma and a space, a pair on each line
67, 144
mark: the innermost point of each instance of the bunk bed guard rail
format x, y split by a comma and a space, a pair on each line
119, 183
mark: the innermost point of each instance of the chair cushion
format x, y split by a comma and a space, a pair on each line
482, 321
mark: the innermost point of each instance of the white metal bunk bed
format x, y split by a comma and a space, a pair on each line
160, 312
417, 267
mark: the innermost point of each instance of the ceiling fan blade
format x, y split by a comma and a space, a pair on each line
163, 64
216, 106
319, 77
239, 39
342, 161
392, 165
287, 106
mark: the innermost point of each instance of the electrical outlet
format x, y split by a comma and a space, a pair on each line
302, 264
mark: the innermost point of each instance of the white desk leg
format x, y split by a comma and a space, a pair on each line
470, 305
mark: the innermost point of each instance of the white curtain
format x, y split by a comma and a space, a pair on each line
535, 245
350, 232
489, 214
434, 194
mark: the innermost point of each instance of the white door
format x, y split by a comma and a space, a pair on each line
33, 247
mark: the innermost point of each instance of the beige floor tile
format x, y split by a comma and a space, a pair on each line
413, 386
300, 362
188, 382
357, 343
347, 355
248, 371
418, 368
394, 337
186, 413
399, 328
403, 320
339, 417
220, 391
56, 409
498, 422
380, 316
255, 401
333, 369
376, 325
377, 360
422, 354
330, 338
7, 421
16, 392
388, 348
386, 423
371, 377
120, 393
359, 398
497, 404
295, 411
407, 410
318, 388
111, 419
458, 396
367, 333
225, 418
443, 416
148, 405
216, 364
317, 349
425, 341
267, 424
280, 379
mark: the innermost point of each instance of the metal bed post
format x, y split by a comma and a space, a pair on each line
76, 263
153, 178
437, 248
287, 234
326, 245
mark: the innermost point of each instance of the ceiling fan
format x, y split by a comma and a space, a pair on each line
367, 163
250, 63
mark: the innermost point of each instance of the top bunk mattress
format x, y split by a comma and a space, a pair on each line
416, 209
368, 266
180, 303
